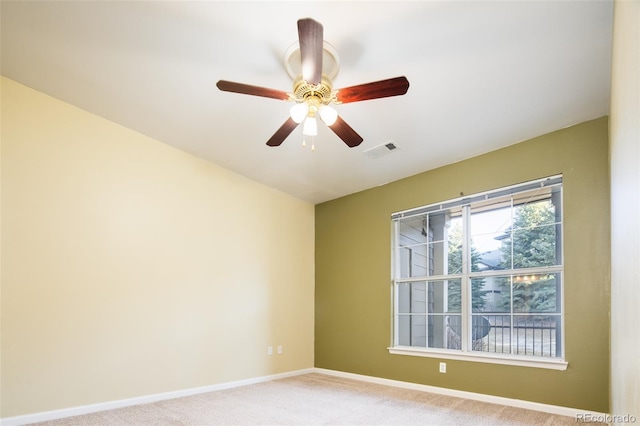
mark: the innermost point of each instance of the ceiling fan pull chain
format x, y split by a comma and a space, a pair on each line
313, 141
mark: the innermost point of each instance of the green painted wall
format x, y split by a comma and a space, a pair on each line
353, 261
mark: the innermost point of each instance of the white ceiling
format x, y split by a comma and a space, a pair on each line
483, 75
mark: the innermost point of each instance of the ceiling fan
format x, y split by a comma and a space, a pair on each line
313, 91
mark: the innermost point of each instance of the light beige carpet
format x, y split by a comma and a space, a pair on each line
316, 399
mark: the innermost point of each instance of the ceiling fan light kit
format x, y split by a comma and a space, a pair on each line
313, 91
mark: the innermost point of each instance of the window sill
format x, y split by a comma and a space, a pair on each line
520, 361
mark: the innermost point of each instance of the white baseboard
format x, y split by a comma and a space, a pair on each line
536, 406
93, 408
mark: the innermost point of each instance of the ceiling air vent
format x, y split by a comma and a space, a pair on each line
380, 150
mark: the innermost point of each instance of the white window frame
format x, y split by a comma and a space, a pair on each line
466, 353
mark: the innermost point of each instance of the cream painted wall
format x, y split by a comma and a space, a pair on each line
624, 130
131, 268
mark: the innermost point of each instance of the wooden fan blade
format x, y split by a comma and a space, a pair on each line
346, 133
281, 134
310, 35
247, 89
377, 89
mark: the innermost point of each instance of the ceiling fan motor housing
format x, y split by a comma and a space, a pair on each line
314, 94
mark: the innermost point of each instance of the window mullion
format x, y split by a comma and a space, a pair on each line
427, 298
465, 281
512, 337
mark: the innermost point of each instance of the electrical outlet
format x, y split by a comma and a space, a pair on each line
279, 349
270, 350
443, 367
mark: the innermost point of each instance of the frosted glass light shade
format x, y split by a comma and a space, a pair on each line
299, 111
310, 127
328, 114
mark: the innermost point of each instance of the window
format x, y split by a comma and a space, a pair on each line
481, 277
